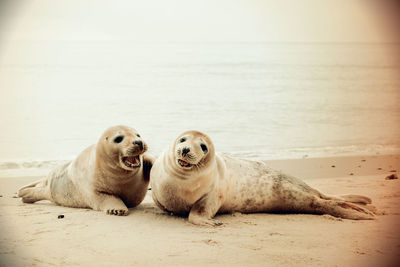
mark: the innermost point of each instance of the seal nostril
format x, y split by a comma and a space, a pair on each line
139, 143
185, 151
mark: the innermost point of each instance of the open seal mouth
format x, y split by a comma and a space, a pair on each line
184, 163
132, 161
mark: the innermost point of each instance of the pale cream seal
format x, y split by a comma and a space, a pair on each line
191, 178
110, 176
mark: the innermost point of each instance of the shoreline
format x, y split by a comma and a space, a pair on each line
38, 168
32, 234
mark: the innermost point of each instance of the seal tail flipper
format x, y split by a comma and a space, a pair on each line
357, 199
31, 184
348, 210
33, 192
343, 209
360, 200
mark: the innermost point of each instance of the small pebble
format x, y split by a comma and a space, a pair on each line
393, 171
15, 197
60, 216
392, 177
149, 188
379, 168
333, 166
351, 173
363, 160
1, 195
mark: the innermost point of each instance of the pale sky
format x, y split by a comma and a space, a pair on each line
200, 21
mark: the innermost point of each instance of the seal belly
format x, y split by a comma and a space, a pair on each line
63, 190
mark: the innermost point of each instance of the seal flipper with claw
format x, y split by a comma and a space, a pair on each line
203, 211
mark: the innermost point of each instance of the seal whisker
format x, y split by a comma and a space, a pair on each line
199, 165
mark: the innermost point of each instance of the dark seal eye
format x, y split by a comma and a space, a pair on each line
118, 139
204, 148
183, 139
138, 135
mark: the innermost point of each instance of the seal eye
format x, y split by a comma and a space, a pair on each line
138, 135
183, 139
118, 139
204, 148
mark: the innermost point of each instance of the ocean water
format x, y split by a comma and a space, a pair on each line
256, 100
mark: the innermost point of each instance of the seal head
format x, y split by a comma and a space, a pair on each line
192, 151
122, 145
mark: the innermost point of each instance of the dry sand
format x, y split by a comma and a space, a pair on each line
32, 234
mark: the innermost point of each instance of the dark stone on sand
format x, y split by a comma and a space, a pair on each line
363, 160
392, 177
351, 173
149, 188
379, 168
333, 166
60, 216
15, 197
1, 195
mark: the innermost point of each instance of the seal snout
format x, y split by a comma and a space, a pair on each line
184, 157
131, 157
185, 151
137, 147
139, 143
130, 151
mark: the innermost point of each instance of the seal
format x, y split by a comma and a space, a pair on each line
110, 176
190, 178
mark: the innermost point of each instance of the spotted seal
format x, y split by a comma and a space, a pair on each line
191, 178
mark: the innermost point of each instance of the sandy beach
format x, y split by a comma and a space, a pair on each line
310, 87
33, 235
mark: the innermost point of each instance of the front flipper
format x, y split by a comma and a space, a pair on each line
202, 220
204, 210
148, 162
111, 204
